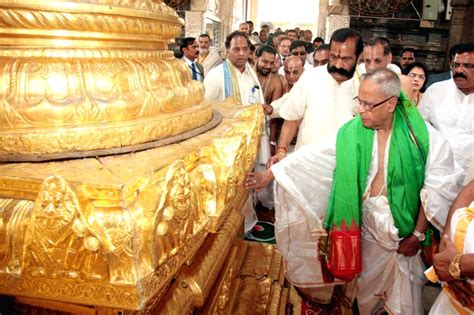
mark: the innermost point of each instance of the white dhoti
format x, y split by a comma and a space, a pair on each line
266, 195
387, 278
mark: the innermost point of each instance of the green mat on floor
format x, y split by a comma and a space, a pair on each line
263, 232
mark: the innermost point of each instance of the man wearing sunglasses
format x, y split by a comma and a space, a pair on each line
298, 48
379, 181
449, 106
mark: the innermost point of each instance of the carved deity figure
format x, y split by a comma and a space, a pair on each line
59, 242
175, 215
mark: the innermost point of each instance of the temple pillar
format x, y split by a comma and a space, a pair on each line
194, 23
337, 17
460, 30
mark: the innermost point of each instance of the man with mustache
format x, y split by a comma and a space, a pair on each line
272, 89
208, 58
319, 104
190, 50
322, 99
271, 84
449, 107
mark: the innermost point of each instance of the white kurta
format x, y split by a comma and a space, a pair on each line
213, 59
303, 186
247, 80
451, 112
321, 102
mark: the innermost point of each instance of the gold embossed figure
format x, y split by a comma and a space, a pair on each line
175, 215
59, 243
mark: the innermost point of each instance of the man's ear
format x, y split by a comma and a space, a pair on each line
392, 104
390, 58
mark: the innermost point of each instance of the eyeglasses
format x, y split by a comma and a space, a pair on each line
467, 66
414, 75
298, 53
320, 63
368, 107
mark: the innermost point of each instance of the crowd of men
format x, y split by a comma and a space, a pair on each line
378, 171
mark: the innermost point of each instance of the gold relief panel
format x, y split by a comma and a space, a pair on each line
60, 243
14, 216
53, 92
122, 23
176, 218
85, 76
225, 157
119, 245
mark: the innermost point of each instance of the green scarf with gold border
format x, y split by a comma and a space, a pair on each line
409, 145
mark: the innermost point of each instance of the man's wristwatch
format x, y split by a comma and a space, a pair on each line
420, 236
454, 269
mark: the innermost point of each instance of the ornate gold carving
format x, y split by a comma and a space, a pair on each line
91, 76
194, 284
113, 232
19, 188
247, 284
13, 217
75, 139
128, 22
58, 242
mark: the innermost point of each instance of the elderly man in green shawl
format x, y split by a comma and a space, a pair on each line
360, 203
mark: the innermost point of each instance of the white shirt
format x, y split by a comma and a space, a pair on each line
189, 63
211, 60
310, 58
321, 102
247, 81
451, 112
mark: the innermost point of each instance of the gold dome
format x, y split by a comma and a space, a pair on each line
88, 76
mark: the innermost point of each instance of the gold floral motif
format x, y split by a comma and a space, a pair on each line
48, 92
94, 137
93, 75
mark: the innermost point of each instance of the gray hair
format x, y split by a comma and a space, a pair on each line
387, 81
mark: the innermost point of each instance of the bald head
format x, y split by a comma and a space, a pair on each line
293, 61
244, 28
293, 69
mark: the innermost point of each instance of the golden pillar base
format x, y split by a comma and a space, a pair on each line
81, 76
151, 231
114, 231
